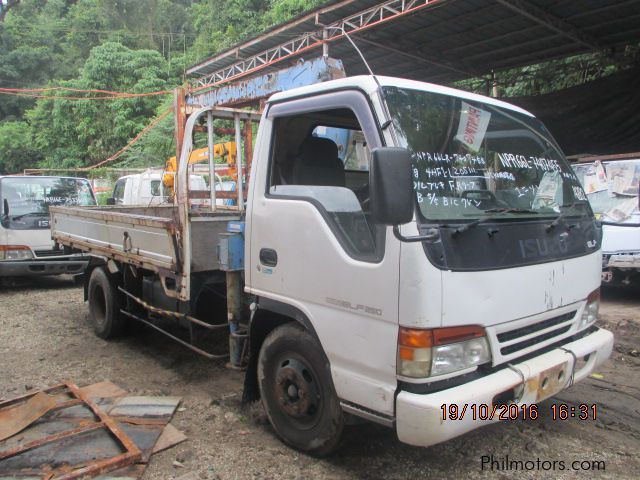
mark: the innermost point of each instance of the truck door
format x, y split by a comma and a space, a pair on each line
313, 245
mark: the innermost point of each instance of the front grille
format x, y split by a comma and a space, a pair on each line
536, 327
49, 253
516, 347
532, 329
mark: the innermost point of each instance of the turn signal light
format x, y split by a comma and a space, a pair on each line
15, 252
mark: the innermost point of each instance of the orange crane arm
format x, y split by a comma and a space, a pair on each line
201, 155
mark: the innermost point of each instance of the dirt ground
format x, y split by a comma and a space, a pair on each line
44, 338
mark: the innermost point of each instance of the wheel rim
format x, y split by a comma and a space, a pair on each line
297, 391
99, 304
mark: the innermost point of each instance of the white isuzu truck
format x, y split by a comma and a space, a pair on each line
26, 249
456, 268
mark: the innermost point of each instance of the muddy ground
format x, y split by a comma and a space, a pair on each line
44, 338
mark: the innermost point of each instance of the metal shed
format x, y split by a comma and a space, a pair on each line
434, 40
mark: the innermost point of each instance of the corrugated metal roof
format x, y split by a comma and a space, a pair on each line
447, 40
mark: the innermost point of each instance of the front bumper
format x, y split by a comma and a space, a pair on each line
419, 418
623, 260
36, 267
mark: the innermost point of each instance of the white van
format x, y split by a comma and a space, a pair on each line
139, 189
612, 187
26, 248
147, 189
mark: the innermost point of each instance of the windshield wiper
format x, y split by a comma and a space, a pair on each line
509, 210
486, 218
562, 215
18, 217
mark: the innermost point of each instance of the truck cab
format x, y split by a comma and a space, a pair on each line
26, 248
484, 295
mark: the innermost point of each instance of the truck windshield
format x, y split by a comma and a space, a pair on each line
611, 187
34, 195
472, 160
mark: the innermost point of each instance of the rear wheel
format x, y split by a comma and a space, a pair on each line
297, 391
104, 305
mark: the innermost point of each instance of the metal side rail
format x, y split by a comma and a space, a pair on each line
176, 315
182, 342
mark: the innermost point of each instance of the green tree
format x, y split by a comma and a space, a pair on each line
155, 147
222, 23
124, 45
17, 150
282, 10
32, 50
72, 133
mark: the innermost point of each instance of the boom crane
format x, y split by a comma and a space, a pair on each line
220, 150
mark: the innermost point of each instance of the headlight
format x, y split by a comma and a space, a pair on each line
425, 353
590, 312
15, 252
459, 356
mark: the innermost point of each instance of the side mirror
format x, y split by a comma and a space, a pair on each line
111, 201
391, 186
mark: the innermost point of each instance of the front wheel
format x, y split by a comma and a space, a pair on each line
297, 391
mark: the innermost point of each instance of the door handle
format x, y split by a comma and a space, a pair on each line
268, 257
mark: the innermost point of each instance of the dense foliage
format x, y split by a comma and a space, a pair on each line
118, 45
142, 46
543, 78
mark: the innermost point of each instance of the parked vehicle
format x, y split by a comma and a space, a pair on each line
147, 189
26, 248
388, 291
613, 187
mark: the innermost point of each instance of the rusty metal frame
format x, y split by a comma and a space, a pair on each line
170, 314
383, 12
131, 455
237, 52
210, 356
51, 390
182, 183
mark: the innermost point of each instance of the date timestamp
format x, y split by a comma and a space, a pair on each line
483, 411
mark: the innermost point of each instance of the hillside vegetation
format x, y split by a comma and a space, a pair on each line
130, 46
140, 46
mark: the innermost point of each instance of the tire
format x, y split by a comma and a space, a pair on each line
291, 363
104, 305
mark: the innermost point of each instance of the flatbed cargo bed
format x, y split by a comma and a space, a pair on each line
148, 237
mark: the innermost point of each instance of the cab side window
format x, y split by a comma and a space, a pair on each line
322, 158
118, 191
155, 188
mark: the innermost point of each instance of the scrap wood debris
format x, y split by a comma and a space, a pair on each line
65, 432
